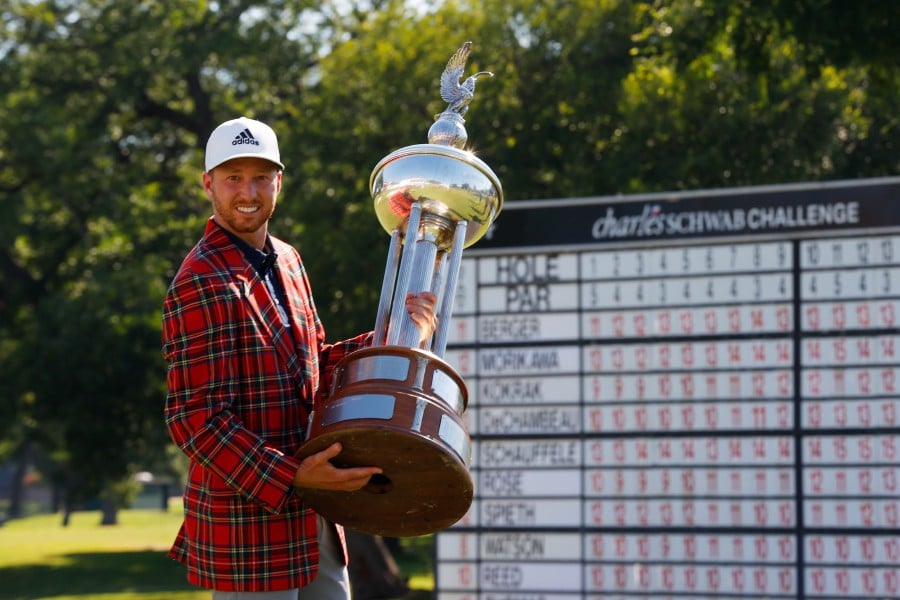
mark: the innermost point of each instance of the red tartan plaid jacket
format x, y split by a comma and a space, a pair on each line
240, 390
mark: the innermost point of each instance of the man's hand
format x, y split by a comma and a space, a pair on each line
421, 310
316, 472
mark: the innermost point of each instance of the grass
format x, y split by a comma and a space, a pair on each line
40, 559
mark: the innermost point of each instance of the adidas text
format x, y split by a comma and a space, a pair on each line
244, 137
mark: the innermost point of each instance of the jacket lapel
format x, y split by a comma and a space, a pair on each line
266, 312
303, 322
262, 306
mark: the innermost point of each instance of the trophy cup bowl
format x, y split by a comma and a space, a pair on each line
450, 183
397, 404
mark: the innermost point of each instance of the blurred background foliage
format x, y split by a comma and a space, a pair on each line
106, 106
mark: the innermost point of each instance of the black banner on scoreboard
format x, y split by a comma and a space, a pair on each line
783, 210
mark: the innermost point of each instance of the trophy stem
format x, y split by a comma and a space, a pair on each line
443, 327
387, 287
406, 262
420, 280
437, 283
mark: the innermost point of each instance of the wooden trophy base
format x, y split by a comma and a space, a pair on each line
399, 409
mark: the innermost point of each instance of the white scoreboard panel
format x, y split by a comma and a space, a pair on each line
682, 396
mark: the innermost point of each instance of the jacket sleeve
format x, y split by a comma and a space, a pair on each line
200, 334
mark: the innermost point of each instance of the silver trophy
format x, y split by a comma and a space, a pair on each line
398, 405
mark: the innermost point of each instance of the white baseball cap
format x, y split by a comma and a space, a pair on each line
242, 138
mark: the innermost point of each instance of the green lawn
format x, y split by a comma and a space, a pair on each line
41, 559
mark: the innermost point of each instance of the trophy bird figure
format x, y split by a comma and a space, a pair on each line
459, 94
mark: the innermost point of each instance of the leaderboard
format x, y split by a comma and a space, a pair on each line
682, 396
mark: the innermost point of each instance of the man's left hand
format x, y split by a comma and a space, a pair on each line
420, 307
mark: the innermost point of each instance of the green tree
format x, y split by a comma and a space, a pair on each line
99, 174
107, 104
724, 94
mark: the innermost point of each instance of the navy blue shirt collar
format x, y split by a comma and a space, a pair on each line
261, 261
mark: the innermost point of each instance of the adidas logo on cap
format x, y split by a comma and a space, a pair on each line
242, 138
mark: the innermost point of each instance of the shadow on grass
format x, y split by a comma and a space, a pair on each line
95, 573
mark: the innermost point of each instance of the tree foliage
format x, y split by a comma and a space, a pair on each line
107, 105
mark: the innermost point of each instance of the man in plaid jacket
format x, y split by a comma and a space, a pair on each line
247, 358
